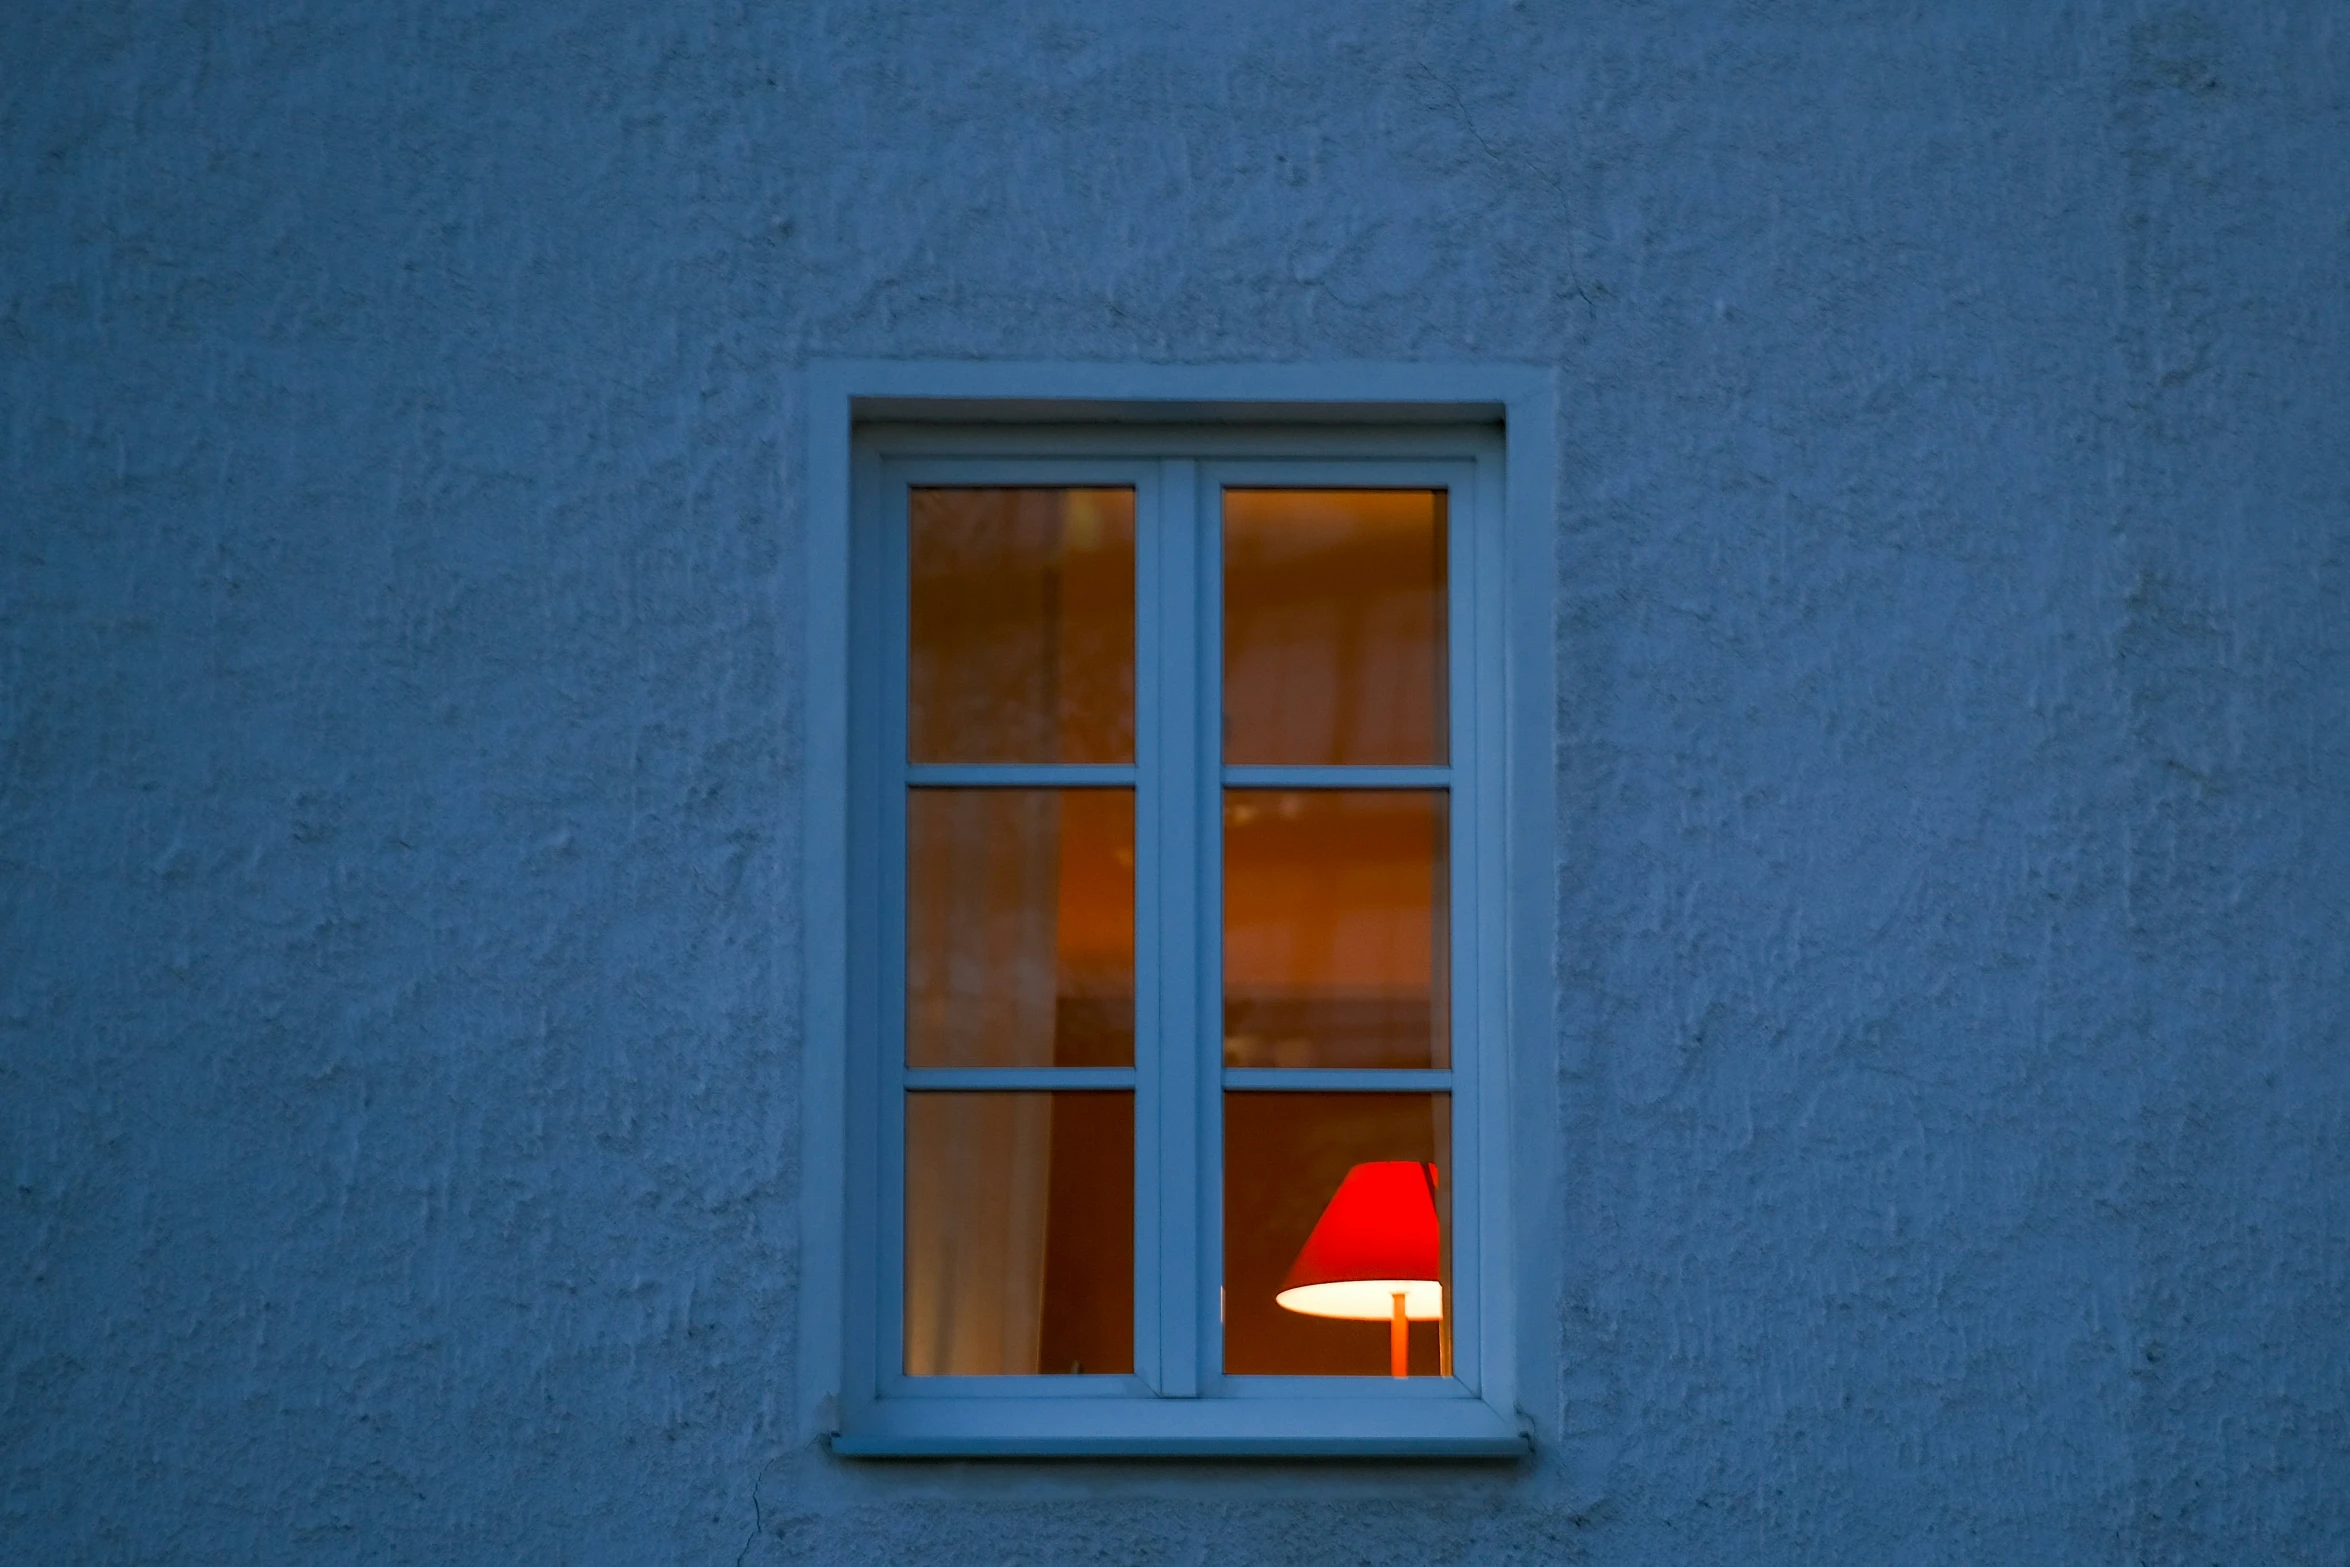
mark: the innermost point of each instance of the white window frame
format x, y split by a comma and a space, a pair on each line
1178, 435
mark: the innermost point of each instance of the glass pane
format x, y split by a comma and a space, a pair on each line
1334, 627
1019, 927
1019, 1234
1335, 911
1022, 625
1334, 1204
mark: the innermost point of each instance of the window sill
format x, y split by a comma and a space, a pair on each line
1184, 1428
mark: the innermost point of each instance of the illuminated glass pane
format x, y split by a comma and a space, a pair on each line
1334, 627
1021, 644
1019, 1234
1335, 910
1286, 1159
1019, 927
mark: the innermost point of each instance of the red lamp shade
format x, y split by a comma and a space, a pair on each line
1375, 1241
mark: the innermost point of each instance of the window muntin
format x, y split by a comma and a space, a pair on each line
1336, 906
1016, 1131
1180, 1396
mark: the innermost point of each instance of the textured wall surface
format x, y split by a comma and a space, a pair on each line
399, 977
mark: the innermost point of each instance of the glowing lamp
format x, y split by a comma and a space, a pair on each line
1373, 1254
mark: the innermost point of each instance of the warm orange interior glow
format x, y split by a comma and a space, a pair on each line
1021, 625
1335, 928
1020, 927
1094, 893
1334, 626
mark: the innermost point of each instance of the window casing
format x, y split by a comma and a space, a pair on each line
901, 1384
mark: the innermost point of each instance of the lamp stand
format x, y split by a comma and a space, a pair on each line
1399, 1340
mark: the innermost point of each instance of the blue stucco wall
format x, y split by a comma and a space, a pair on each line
399, 985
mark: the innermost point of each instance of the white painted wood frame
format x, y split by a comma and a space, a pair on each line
1178, 436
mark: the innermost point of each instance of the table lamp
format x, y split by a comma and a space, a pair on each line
1373, 1255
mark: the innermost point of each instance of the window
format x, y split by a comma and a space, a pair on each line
1170, 1036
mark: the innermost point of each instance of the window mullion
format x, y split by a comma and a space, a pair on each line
1206, 663
1172, 768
